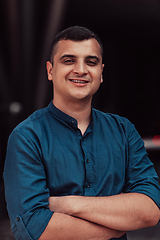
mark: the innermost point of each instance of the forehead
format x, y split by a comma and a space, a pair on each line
78, 48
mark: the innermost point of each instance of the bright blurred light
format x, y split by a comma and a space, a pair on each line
15, 107
152, 143
156, 140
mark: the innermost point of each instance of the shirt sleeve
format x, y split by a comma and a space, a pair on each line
26, 189
141, 176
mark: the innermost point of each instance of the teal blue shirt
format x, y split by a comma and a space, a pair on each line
48, 156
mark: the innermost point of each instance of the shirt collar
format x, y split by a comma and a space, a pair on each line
66, 118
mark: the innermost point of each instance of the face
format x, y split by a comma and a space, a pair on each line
77, 70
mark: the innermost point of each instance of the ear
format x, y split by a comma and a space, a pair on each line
102, 73
49, 70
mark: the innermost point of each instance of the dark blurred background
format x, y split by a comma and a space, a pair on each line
130, 33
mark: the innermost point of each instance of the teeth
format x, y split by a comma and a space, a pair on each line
77, 81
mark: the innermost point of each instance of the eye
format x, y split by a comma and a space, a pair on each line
91, 62
68, 61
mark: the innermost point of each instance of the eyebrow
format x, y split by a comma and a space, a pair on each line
73, 56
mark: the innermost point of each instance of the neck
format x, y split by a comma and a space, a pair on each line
80, 110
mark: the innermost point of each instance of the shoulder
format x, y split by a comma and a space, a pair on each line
113, 124
112, 119
33, 124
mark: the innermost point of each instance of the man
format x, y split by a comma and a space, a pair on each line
73, 172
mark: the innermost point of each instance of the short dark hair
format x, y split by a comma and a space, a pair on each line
75, 33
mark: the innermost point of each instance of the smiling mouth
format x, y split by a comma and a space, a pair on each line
78, 81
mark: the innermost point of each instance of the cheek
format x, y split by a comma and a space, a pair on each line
96, 73
96, 84
63, 73
57, 76
97, 77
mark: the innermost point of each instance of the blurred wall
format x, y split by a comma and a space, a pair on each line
130, 34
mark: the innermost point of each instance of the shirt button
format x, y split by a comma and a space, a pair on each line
88, 185
73, 121
87, 160
17, 219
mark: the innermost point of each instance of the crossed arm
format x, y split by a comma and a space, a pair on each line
78, 217
65, 227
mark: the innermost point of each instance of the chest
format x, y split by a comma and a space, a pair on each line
93, 165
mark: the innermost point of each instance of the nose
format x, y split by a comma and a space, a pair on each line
80, 68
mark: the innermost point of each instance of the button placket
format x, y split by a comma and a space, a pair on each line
88, 167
